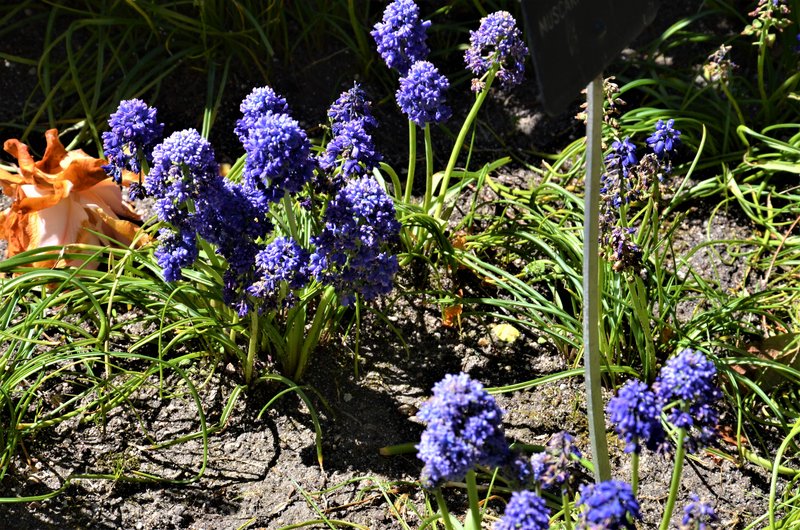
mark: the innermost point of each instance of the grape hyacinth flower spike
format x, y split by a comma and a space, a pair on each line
497, 43
351, 149
351, 105
553, 466
401, 35
464, 429
665, 138
134, 132
350, 249
525, 511
278, 158
260, 102
609, 505
636, 414
184, 169
282, 262
421, 95
687, 382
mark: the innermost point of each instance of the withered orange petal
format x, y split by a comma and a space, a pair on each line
53, 154
35, 198
84, 172
24, 159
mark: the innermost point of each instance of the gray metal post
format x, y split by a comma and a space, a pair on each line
591, 291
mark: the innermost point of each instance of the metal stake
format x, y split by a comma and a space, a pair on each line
591, 290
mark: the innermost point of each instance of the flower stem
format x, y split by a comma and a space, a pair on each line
676, 480
443, 508
290, 219
252, 346
412, 160
635, 472
472, 493
567, 511
428, 169
462, 135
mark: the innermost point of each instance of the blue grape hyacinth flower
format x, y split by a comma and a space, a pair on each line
351, 149
351, 105
134, 131
497, 41
401, 35
184, 169
283, 261
608, 505
278, 157
664, 139
464, 429
421, 95
686, 385
258, 103
524, 511
636, 414
350, 251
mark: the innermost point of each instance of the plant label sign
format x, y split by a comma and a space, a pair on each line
572, 41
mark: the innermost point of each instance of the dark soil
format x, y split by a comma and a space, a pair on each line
262, 471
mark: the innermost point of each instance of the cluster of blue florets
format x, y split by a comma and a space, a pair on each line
283, 262
350, 249
684, 390
497, 43
421, 95
686, 387
636, 414
608, 505
464, 429
278, 158
183, 171
263, 269
525, 511
134, 132
401, 36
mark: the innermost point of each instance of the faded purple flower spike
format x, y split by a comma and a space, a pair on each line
464, 429
421, 95
636, 414
553, 467
499, 42
401, 35
524, 511
609, 505
134, 131
698, 515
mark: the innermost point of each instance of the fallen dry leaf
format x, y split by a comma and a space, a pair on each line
60, 200
451, 315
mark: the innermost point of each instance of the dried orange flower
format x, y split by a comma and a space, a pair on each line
60, 200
